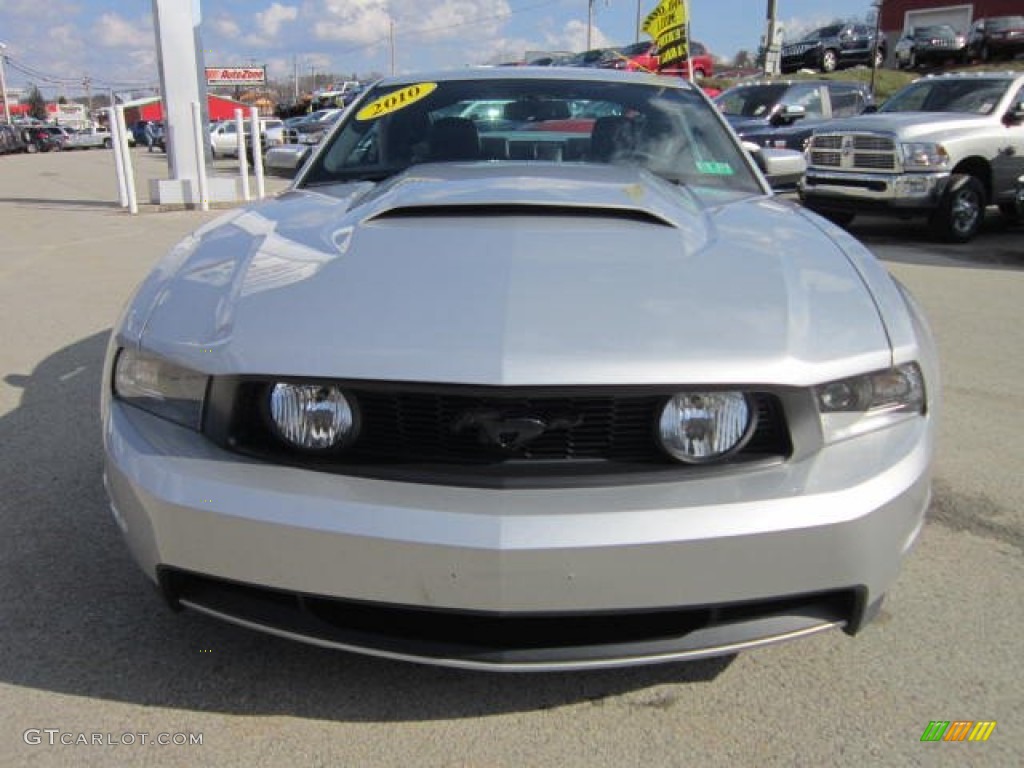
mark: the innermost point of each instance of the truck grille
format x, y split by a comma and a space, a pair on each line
853, 152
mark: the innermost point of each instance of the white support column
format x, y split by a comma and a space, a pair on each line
117, 146
182, 82
175, 23
243, 164
197, 128
257, 152
129, 170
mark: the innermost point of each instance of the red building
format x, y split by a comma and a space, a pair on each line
899, 16
151, 108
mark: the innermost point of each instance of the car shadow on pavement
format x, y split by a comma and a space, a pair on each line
999, 244
79, 618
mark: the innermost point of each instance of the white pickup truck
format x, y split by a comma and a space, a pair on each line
93, 137
944, 147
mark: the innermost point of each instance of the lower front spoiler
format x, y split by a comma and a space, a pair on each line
518, 642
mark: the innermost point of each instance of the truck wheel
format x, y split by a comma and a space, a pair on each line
961, 210
107, 143
31, 149
829, 60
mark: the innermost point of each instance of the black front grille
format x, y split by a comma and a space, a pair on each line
446, 429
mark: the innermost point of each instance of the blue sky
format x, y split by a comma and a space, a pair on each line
57, 43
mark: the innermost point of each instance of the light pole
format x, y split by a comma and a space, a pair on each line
874, 54
639, 20
3, 85
590, 22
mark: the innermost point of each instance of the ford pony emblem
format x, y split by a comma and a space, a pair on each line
510, 432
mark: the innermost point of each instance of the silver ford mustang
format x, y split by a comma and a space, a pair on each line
527, 371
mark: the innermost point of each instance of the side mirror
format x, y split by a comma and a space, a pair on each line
788, 114
1019, 197
783, 168
1016, 114
285, 161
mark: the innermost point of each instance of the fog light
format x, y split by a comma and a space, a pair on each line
698, 427
314, 417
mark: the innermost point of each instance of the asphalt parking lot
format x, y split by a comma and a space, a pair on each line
88, 648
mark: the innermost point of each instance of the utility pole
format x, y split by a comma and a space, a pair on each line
590, 22
87, 83
3, 84
295, 77
874, 54
771, 63
639, 20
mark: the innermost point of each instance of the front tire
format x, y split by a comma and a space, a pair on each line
961, 210
829, 60
107, 144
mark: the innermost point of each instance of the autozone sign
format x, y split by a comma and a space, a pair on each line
235, 75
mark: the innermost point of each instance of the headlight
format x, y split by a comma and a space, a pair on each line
853, 406
698, 427
162, 388
925, 156
313, 417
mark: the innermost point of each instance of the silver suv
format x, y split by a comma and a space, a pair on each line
945, 147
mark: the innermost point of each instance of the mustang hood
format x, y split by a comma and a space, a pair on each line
546, 275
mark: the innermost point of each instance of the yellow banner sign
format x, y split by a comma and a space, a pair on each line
667, 25
395, 101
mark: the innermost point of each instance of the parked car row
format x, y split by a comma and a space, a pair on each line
988, 39
638, 57
838, 46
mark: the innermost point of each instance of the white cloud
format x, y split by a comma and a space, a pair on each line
226, 28
269, 21
351, 21
66, 38
573, 37
114, 31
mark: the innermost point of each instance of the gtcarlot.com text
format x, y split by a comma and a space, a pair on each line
56, 737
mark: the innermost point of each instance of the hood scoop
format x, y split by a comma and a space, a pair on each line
534, 210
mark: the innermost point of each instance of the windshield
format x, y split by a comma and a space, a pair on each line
820, 34
1005, 22
668, 130
942, 31
750, 101
967, 96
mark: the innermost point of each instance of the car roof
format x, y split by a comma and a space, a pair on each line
809, 81
539, 73
1010, 75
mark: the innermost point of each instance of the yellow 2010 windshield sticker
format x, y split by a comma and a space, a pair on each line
395, 101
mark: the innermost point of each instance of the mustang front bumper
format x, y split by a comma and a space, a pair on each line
526, 579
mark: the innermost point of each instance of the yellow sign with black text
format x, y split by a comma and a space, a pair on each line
667, 25
395, 101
